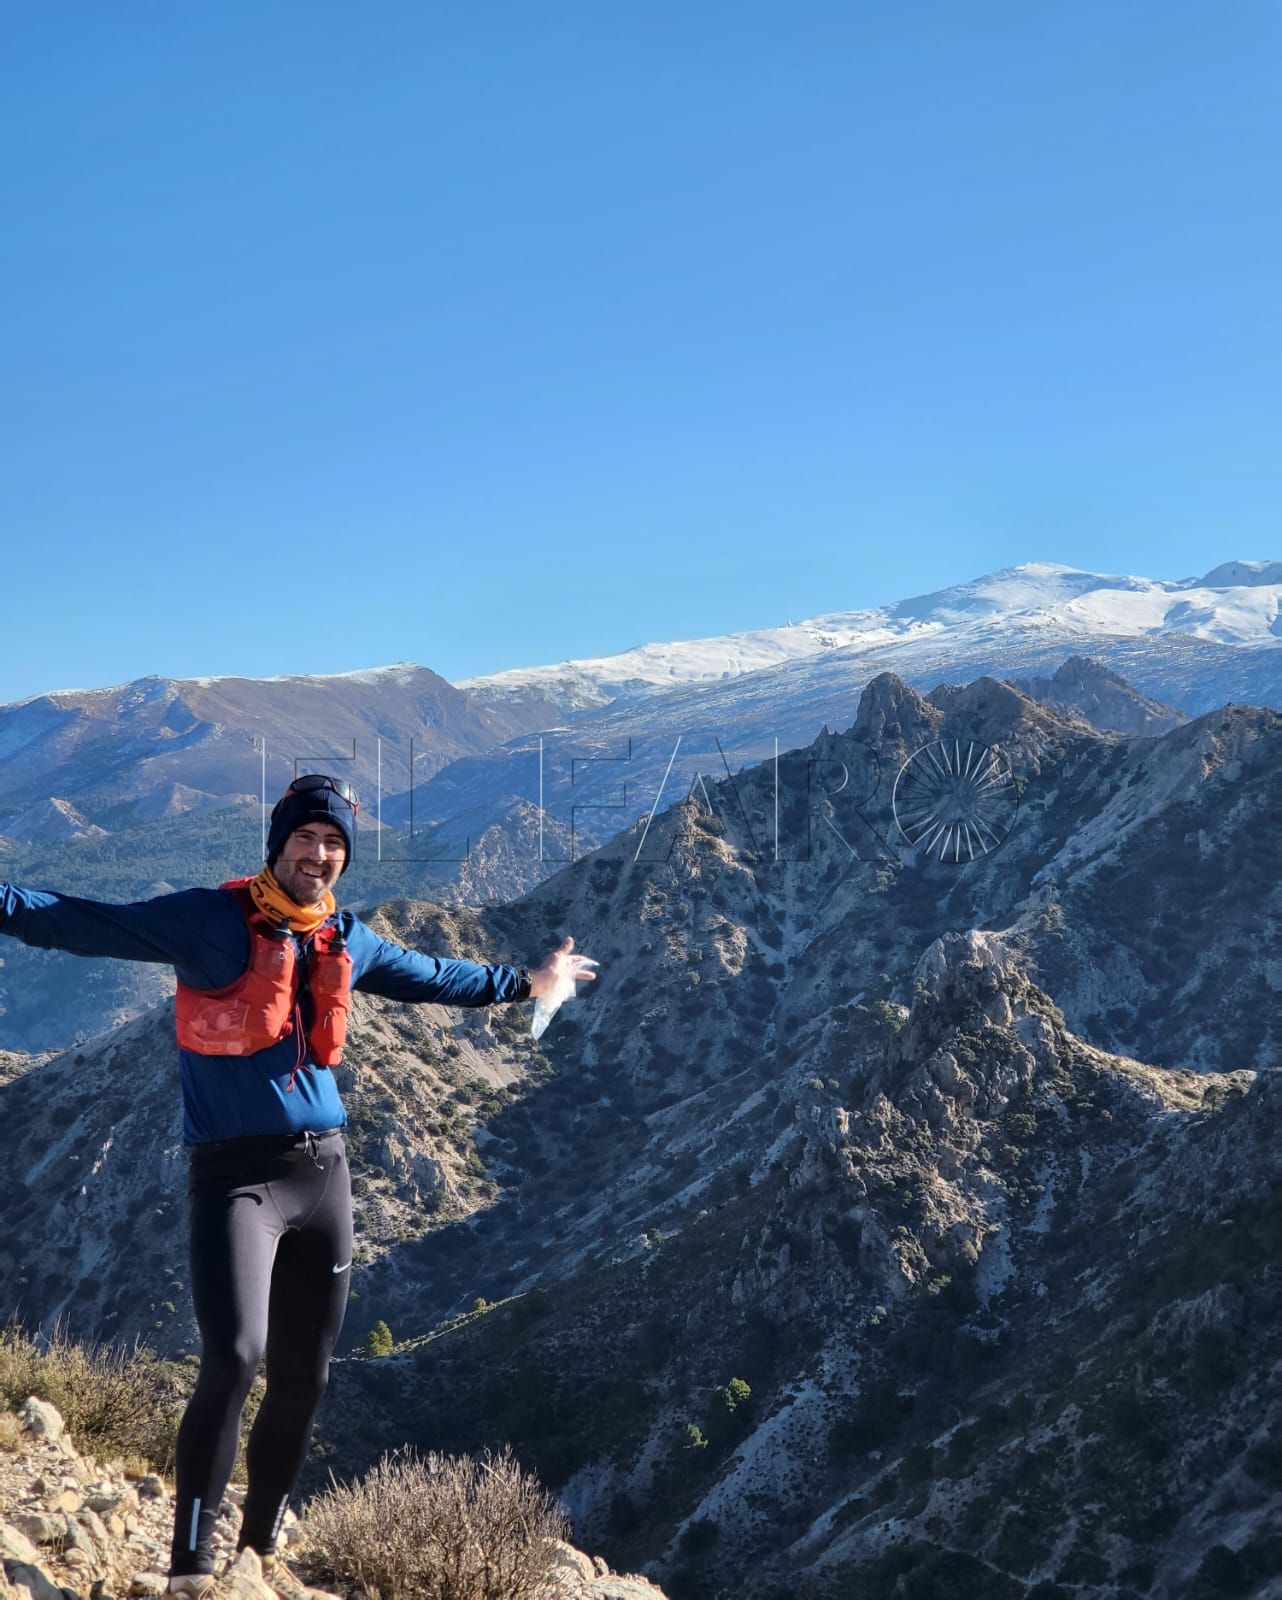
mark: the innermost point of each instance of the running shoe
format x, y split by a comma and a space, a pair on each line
287, 1584
191, 1585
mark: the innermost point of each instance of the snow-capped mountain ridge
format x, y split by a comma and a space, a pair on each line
139, 691
1236, 603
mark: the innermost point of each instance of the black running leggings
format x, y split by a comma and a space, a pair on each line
271, 1252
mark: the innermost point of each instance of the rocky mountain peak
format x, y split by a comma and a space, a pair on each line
53, 819
969, 989
1086, 687
1232, 574
893, 717
889, 710
1079, 671
969, 968
990, 708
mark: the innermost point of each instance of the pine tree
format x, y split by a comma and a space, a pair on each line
378, 1341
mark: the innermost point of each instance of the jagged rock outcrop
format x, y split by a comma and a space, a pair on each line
51, 820
72, 1526
1102, 697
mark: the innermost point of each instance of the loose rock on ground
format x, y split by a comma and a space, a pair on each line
72, 1528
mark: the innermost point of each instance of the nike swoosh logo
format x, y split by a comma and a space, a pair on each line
343, 1268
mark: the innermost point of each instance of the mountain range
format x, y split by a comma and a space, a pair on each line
892, 1218
158, 747
1234, 604
128, 792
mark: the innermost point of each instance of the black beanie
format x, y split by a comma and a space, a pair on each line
295, 808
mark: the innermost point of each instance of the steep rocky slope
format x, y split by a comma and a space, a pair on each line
993, 1309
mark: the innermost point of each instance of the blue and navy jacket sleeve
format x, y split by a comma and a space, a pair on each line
199, 932
387, 969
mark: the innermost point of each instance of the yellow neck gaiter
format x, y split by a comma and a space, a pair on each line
273, 902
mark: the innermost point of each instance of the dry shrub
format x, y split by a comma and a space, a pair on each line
439, 1528
10, 1431
117, 1400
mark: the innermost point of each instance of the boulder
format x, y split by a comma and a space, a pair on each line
15, 1546
42, 1419
39, 1526
566, 1559
630, 1588
74, 1537
33, 1579
92, 1523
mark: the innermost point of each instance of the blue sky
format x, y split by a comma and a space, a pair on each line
482, 335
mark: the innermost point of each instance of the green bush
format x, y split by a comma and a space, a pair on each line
734, 1394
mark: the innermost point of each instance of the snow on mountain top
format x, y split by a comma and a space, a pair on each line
1235, 603
1233, 573
724, 656
1036, 594
398, 672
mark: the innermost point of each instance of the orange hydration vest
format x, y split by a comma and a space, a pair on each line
261, 1007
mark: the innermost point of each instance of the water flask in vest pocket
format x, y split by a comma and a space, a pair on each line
330, 986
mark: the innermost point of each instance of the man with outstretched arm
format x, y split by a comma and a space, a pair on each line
266, 967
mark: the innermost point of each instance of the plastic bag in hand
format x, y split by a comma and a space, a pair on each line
547, 1005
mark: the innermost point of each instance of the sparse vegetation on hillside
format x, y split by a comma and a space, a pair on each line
117, 1401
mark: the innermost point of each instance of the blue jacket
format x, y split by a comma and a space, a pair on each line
201, 933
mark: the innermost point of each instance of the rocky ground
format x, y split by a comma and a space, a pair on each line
72, 1528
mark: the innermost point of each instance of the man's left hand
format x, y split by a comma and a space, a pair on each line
561, 965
